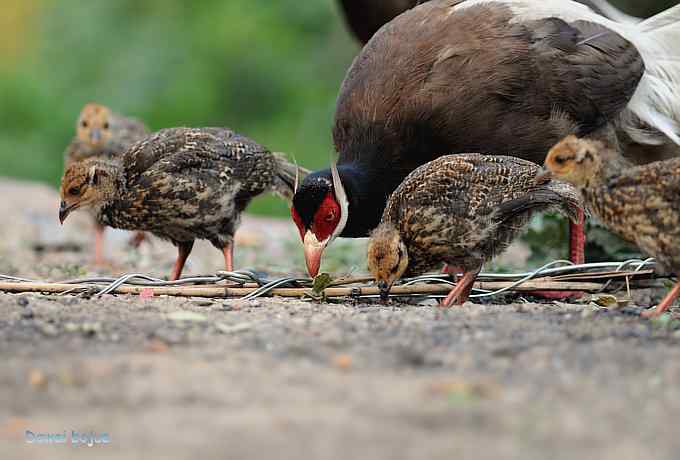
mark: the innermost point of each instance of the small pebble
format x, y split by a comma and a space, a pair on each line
343, 362
236, 305
49, 330
37, 379
28, 314
22, 301
157, 345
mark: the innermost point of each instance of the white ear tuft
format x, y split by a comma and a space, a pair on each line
341, 198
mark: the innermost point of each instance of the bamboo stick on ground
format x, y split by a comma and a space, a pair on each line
216, 291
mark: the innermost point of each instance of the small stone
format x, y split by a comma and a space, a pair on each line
202, 303
49, 330
343, 362
237, 305
22, 301
28, 314
588, 312
228, 329
146, 293
37, 379
187, 316
157, 345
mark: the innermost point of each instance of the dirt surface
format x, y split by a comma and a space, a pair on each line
192, 378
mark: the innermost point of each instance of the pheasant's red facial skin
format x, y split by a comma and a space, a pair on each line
326, 218
316, 236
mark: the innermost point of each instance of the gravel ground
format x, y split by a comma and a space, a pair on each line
181, 378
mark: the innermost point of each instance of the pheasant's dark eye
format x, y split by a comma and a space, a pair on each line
84, 123
330, 217
74, 191
106, 125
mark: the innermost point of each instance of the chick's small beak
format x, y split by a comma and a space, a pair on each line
543, 175
64, 211
95, 136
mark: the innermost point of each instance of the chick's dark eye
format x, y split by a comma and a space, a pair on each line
106, 125
560, 160
84, 123
74, 191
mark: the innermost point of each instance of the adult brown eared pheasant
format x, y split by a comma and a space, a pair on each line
180, 184
639, 203
462, 211
488, 76
102, 133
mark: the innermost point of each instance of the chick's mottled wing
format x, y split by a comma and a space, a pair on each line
184, 145
465, 185
643, 206
206, 153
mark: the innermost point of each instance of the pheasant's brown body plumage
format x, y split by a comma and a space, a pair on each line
463, 210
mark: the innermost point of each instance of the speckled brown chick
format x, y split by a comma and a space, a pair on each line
180, 184
641, 204
460, 210
102, 133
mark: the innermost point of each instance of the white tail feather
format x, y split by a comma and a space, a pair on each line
657, 99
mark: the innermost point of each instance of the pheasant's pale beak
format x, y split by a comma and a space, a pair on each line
64, 211
313, 249
544, 175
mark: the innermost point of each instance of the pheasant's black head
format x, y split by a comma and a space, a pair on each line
318, 214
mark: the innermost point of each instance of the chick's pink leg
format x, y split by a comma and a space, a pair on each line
460, 294
229, 256
665, 303
137, 239
183, 251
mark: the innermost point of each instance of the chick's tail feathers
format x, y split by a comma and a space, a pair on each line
554, 196
288, 176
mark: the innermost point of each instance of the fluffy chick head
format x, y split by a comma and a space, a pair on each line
387, 257
94, 125
88, 183
574, 160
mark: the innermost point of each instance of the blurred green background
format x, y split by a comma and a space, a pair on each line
269, 69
